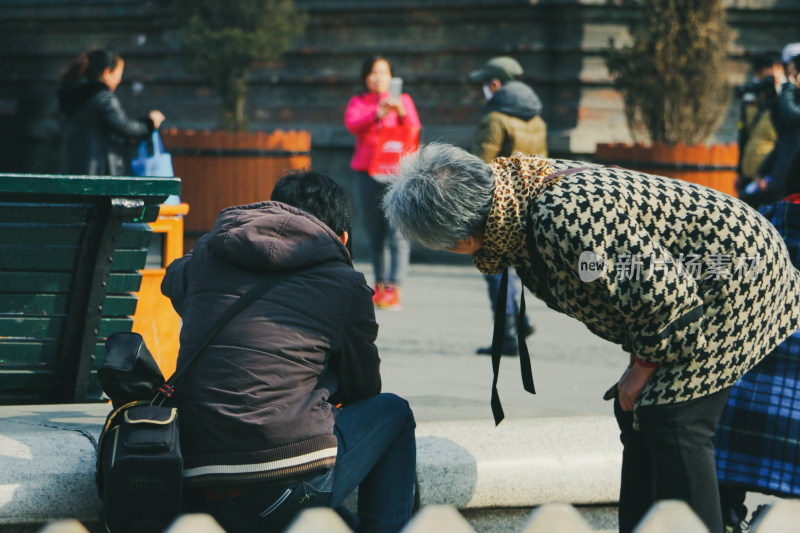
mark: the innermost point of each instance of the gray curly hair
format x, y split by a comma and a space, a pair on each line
442, 195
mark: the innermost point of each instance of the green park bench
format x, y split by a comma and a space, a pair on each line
71, 248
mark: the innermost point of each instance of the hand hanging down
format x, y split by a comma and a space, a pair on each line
632, 382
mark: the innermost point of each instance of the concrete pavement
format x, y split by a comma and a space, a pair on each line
428, 353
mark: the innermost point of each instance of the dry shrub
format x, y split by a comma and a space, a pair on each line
674, 77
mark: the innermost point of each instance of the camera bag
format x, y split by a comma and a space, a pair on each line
139, 463
140, 468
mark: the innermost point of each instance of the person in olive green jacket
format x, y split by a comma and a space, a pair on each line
511, 123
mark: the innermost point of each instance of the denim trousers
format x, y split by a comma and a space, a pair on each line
670, 458
377, 454
381, 235
493, 284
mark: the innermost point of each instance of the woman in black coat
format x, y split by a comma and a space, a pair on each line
98, 130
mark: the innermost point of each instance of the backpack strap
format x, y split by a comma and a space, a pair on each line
166, 390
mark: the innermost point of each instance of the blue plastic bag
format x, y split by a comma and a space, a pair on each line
157, 164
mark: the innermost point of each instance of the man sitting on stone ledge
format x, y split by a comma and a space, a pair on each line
282, 411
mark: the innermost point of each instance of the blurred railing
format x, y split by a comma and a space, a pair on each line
665, 516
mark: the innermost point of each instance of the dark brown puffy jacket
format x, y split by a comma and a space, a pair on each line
256, 403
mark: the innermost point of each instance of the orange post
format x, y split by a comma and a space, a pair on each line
155, 319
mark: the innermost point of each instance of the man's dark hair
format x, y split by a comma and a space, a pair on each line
764, 60
317, 195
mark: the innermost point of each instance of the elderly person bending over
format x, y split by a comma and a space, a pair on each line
693, 283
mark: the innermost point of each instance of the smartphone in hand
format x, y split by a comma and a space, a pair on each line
395, 87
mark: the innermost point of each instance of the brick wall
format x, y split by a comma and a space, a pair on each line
433, 45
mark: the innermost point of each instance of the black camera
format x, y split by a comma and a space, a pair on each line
756, 87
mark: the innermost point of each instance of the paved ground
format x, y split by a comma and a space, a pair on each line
428, 351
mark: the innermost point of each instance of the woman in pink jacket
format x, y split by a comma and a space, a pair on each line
365, 115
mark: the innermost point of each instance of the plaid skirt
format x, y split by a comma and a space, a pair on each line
758, 437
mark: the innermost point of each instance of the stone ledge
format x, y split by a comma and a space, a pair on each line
48, 454
49, 462
520, 463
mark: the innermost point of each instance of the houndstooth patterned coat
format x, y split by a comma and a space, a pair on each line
695, 280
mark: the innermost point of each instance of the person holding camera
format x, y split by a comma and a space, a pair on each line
365, 115
757, 133
771, 177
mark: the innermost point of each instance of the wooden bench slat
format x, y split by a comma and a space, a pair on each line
33, 213
131, 235
30, 380
40, 258
36, 304
109, 325
21, 387
53, 304
38, 213
50, 327
128, 260
45, 282
28, 353
62, 258
155, 189
41, 234
65, 235
25, 354
119, 305
32, 327
59, 282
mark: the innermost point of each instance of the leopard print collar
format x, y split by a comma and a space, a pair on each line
518, 181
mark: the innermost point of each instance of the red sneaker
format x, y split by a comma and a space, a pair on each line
379, 289
390, 299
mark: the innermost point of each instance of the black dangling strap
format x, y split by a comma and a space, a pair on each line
524, 355
500, 316
497, 345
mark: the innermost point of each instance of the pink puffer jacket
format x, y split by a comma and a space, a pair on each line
360, 120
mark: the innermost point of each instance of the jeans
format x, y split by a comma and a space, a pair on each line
493, 284
672, 457
377, 453
381, 234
